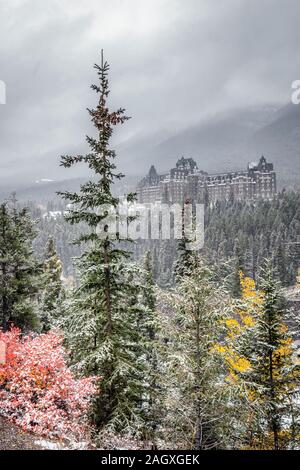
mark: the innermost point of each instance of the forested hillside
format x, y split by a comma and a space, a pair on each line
249, 233
242, 233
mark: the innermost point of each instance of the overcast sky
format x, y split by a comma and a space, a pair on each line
172, 62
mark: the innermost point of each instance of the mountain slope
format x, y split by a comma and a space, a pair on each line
224, 142
281, 141
227, 141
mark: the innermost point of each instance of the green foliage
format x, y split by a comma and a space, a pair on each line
19, 270
149, 324
53, 290
274, 375
249, 233
261, 360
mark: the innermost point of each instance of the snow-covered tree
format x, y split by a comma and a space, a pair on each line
102, 315
53, 289
19, 270
149, 324
184, 255
197, 404
274, 376
258, 350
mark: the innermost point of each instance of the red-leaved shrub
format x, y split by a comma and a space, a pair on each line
38, 391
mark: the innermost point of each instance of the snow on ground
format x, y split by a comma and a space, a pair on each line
50, 445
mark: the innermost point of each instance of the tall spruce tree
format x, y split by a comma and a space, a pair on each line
19, 270
102, 315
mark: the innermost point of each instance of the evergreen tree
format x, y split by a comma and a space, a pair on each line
185, 256
53, 290
196, 404
102, 315
237, 346
274, 374
260, 358
19, 270
149, 324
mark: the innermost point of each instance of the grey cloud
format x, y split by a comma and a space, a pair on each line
172, 63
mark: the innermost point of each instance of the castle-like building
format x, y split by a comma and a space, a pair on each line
187, 182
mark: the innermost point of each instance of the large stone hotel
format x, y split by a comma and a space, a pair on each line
187, 182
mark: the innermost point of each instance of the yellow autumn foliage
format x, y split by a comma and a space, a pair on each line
236, 363
245, 318
253, 299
